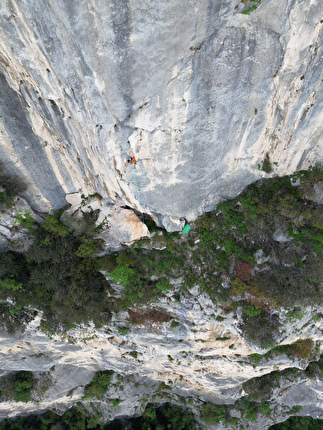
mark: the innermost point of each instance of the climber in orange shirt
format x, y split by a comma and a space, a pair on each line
131, 159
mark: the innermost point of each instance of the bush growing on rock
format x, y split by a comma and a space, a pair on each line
57, 275
298, 423
99, 384
25, 219
260, 327
17, 386
261, 388
156, 417
123, 330
302, 348
213, 414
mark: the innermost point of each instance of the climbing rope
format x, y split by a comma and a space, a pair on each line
136, 183
129, 150
187, 227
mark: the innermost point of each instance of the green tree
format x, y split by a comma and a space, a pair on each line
299, 423
99, 384
25, 219
10, 284
53, 225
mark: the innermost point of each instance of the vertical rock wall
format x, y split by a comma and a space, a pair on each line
200, 92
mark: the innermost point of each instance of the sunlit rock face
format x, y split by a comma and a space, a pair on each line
204, 358
201, 93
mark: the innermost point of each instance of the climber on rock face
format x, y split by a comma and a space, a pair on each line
131, 159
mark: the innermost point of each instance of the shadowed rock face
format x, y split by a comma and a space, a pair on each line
201, 93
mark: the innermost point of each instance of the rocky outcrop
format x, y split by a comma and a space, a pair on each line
200, 92
118, 226
203, 357
13, 235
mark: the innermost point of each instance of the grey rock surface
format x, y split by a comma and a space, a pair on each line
201, 93
172, 363
316, 193
12, 233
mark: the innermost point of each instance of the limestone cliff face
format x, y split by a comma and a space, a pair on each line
203, 359
200, 92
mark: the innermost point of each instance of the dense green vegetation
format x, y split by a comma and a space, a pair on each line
16, 386
299, 423
57, 275
72, 419
229, 238
256, 253
302, 348
98, 385
166, 417
219, 255
214, 414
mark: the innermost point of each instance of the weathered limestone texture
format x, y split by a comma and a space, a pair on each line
119, 226
202, 358
200, 93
